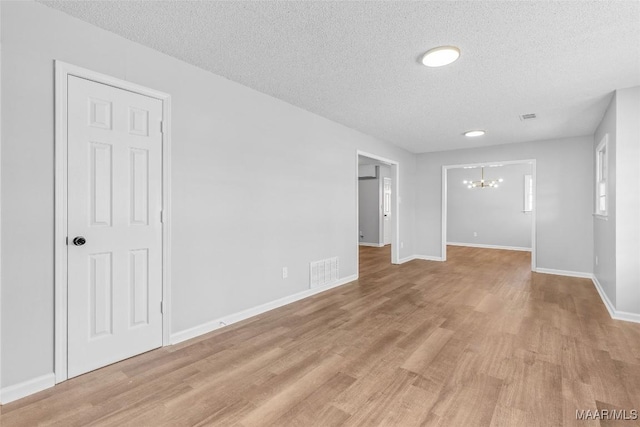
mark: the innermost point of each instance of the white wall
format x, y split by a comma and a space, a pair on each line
604, 229
564, 223
251, 192
617, 237
628, 200
495, 214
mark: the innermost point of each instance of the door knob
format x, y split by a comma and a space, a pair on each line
79, 241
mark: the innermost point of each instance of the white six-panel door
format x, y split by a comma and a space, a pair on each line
386, 210
114, 204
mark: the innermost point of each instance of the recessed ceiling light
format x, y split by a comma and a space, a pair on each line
472, 133
439, 56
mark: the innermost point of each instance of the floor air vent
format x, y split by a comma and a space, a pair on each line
323, 272
527, 116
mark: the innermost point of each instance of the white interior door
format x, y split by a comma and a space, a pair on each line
386, 210
115, 233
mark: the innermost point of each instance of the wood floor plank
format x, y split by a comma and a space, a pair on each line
576, 395
476, 340
311, 410
471, 403
421, 358
268, 411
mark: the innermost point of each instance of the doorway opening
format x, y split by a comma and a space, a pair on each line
377, 204
490, 205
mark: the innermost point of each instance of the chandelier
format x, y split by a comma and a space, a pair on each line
490, 183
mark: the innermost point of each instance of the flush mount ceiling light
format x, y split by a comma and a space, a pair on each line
472, 133
439, 56
490, 183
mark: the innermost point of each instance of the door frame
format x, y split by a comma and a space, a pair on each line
395, 202
383, 229
62, 72
445, 169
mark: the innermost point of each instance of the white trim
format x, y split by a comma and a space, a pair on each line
479, 245
443, 213
567, 273
407, 259
603, 296
245, 314
380, 204
615, 314
62, 71
443, 225
626, 316
26, 388
395, 200
428, 258
0, 211
166, 220
374, 245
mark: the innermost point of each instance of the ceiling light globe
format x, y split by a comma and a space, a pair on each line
473, 133
440, 56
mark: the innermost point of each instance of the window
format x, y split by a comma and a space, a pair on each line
528, 193
602, 171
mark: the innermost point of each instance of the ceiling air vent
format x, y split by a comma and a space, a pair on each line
529, 116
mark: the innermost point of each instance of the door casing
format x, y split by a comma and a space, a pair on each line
384, 221
62, 71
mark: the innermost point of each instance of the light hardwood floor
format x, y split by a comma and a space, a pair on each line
478, 340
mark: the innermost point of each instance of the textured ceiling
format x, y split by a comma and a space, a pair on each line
357, 63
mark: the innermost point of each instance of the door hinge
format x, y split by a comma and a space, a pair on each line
66, 240
162, 127
162, 217
161, 307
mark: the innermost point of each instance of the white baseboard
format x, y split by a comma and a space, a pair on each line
478, 245
564, 273
422, 257
205, 328
626, 316
603, 296
374, 245
25, 388
428, 258
615, 314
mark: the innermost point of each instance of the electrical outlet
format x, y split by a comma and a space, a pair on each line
596, 259
401, 245
475, 234
285, 272
361, 233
